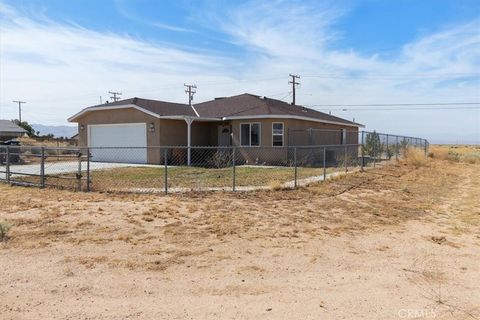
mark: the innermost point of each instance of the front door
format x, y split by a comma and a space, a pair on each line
224, 136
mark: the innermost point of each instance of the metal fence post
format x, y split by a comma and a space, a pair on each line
88, 169
42, 168
345, 159
7, 165
362, 152
425, 147
397, 148
165, 163
295, 164
388, 153
324, 164
79, 172
374, 152
234, 173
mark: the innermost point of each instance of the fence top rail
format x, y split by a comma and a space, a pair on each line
394, 135
39, 148
323, 130
225, 147
46, 156
293, 130
80, 150
321, 146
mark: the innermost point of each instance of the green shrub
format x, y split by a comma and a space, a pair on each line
372, 145
453, 156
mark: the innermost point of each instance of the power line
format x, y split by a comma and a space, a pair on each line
114, 95
401, 106
19, 109
387, 77
294, 84
258, 80
403, 109
396, 104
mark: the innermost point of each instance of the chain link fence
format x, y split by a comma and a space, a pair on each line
44, 167
182, 169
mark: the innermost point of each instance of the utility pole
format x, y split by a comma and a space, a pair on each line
19, 109
190, 91
114, 95
294, 83
189, 120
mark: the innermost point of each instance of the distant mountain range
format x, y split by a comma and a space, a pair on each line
57, 131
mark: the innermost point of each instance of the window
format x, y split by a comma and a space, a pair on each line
250, 134
343, 136
277, 134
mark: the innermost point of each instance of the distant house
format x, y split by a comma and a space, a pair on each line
244, 120
9, 130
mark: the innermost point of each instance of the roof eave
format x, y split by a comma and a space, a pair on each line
105, 107
153, 114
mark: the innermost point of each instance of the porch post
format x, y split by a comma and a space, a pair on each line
189, 121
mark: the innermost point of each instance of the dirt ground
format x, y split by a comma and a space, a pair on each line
393, 243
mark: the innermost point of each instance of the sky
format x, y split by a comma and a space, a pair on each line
61, 56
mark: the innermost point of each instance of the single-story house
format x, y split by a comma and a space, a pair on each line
244, 120
9, 130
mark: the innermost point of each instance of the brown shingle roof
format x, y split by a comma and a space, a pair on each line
251, 105
244, 105
162, 108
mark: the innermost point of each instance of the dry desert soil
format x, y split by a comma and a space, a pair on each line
396, 242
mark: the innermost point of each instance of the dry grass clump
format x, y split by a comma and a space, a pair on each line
472, 158
415, 157
438, 153
4, 227
275, 185
336, 176
466, 154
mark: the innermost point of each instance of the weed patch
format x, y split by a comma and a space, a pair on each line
4, 227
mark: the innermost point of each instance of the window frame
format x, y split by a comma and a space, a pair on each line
276, 134
250, 134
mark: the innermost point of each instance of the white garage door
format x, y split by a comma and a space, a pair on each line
100, 137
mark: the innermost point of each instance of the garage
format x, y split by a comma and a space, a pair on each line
124, 142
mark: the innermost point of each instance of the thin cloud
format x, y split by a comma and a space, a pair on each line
123, 11
169, 27
60, 68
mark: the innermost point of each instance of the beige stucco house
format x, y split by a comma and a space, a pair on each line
245, 120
